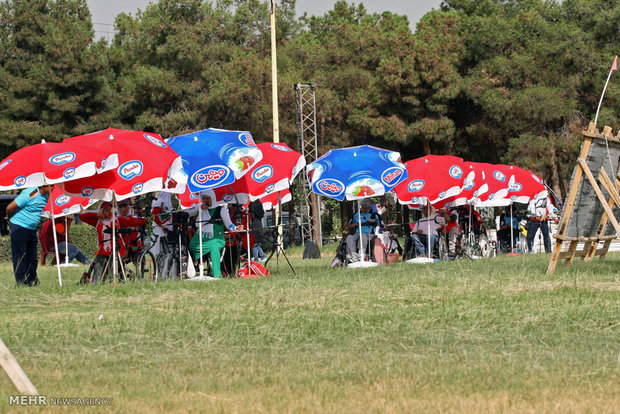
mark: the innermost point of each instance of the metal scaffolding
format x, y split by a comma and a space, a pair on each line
305, 121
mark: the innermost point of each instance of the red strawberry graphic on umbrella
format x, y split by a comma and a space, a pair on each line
363, 191
245, 162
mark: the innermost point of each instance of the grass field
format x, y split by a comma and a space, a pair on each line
494, 335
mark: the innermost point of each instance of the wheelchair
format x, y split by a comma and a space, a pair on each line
439, 248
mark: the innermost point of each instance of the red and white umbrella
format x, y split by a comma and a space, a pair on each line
274, 172
145, 164
523, 185
61, 204
434, 178
48, 163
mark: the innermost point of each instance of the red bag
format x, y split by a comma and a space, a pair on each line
256, 270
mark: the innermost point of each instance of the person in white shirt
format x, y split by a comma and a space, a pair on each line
541, 211
428, 224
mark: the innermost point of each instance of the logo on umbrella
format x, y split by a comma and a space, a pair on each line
4, 164
442, 194
103, 162
210, 176
391, 175
227, 198
155, 141
60, 159
137, 189
416, 185
281, 147
19, 181
61, 200
534, 176
491, 196
270, 188
263, 173
68, 173
330, 187
514, 187
87, 191
246, 139
65, 210
468, 184
499, 176
130, 169
414, 200
456, 171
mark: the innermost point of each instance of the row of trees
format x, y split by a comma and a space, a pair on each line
489, 80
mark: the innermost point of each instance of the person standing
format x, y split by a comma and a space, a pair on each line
24, 215
161, 211
541, 210
214, 221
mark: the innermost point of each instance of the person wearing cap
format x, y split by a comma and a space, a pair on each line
103, 221
214, 220
369, 220
65, 245
24, 214
130, 240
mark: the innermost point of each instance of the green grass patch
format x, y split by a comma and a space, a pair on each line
493, 335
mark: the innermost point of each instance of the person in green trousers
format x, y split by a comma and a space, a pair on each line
214, 221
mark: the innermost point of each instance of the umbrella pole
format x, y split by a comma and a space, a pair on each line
428, 231
247, 235
66, 240
280, 232
56, 247
359, 220
512, 244
202, 266
114, 237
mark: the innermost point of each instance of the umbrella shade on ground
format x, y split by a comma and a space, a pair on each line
433, 178
355, 173
274, 172
215, 157
146, 164
48, 163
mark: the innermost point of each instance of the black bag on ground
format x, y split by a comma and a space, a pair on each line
312, 251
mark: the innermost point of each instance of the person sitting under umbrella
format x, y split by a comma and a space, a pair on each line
102, 221
369, 221
213, 220
428, 224
65, 245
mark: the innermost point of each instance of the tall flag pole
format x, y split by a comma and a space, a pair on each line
614, 66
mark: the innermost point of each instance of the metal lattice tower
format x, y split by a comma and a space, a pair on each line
305, 121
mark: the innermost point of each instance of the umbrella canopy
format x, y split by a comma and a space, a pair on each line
433, 178
274, 172
146, 164
215, 157
269, 201
523, 185
61, 204
47, 163
356, 172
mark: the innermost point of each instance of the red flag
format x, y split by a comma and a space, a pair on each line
614, 65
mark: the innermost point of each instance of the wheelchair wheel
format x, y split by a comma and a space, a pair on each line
146, 267
484, 246
442, 248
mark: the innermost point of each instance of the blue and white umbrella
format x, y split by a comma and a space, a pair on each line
355, 173
215, 157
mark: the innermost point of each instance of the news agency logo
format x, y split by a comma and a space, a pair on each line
44, 400
455, 171
262, 173
416, 185
130, 169
499, 176
210, 176
330, 187
246, 139
62, 200
20, 181
154, 140
63, 158
68, 173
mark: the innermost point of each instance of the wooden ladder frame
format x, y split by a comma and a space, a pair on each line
590, 247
